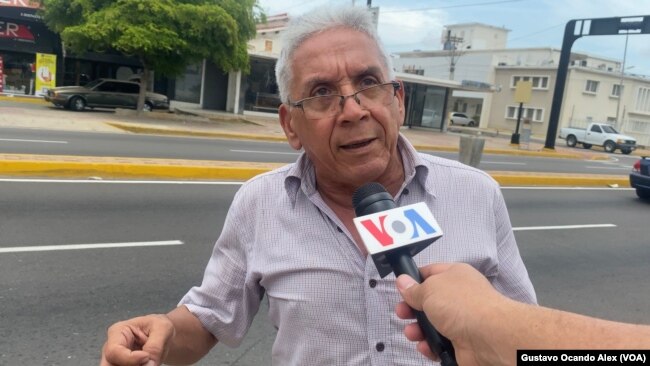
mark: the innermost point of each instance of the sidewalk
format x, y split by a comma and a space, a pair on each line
188, 121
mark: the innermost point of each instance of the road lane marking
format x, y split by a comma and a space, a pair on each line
561, 227
47, 248
41, 141
501, 162
609, 167
550, 188
266, 152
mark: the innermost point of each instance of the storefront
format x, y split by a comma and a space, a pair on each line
22, 36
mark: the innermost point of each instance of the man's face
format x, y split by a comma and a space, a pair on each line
357, 145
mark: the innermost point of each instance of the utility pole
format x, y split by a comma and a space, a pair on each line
451, 45
620, 86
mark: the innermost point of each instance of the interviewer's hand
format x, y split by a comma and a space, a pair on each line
138, 341
455, 298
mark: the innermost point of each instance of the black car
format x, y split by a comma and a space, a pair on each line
104, 93
640, 178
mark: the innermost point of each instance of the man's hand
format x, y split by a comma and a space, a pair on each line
138, 341
454, 297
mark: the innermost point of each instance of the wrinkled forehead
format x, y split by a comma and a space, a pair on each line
339, 51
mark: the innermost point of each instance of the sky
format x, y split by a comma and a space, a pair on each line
406, 25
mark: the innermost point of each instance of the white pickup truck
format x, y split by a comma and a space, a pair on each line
600, 134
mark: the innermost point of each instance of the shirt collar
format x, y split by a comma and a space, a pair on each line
301, 176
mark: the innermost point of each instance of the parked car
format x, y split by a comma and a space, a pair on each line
640, 178
600, 134
462, 119
104, 93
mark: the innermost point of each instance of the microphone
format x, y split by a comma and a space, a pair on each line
393, 235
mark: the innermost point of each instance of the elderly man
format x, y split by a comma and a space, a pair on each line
289, 233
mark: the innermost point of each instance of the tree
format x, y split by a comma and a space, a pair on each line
165, 35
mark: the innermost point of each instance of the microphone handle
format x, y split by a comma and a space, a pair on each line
402, 263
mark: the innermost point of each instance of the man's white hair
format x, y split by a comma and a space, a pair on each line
316, 21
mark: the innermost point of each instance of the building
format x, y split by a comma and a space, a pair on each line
23, 35
596, 89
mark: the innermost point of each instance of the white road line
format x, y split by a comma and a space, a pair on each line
41, 141
46, 248
566, 189
267, 152
100, 181
561, 227
609, 167
501, 162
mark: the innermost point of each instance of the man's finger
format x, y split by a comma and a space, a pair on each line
404, 311
434, 269
159, 335
408, 289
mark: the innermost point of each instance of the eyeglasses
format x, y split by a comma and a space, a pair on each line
324, 106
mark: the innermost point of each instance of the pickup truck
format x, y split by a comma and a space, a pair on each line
600, 134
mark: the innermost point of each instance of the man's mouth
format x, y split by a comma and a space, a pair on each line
357, 144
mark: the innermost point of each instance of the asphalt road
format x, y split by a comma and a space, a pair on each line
56, 305
32, 141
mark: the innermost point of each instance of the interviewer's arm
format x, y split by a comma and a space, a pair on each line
488, 328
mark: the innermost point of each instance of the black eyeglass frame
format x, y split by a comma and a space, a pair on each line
299, 103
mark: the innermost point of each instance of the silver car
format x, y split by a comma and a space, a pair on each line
104, 93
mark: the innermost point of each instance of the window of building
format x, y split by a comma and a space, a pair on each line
18, 72
188, 85
591, 86
616, 90
538, 82
268, 46
643, 100
533, 114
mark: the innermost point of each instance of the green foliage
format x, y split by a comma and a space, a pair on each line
166, 35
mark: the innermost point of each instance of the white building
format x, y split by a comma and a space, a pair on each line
592, 91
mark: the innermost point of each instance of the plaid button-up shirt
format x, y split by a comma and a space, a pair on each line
327, 300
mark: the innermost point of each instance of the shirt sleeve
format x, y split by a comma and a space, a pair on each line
228, 299
512, 280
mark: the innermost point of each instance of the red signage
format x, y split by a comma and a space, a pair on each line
2, 78
20, 3
15, 31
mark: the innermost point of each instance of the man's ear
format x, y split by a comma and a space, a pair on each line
286, 121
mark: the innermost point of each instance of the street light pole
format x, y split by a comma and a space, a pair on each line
620, 85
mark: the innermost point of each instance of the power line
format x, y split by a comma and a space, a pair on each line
453, 6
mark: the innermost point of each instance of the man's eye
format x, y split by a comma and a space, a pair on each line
321, 92
368, 82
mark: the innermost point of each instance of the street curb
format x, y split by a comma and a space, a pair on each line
169, 131
130, 168
116, 167
177, 132
33, 100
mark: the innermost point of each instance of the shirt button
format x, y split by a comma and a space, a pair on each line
372, 283
380, 347
339, 229
406, 191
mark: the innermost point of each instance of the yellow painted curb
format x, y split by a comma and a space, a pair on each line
32, 100
112, 167
558, 179
82, 167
